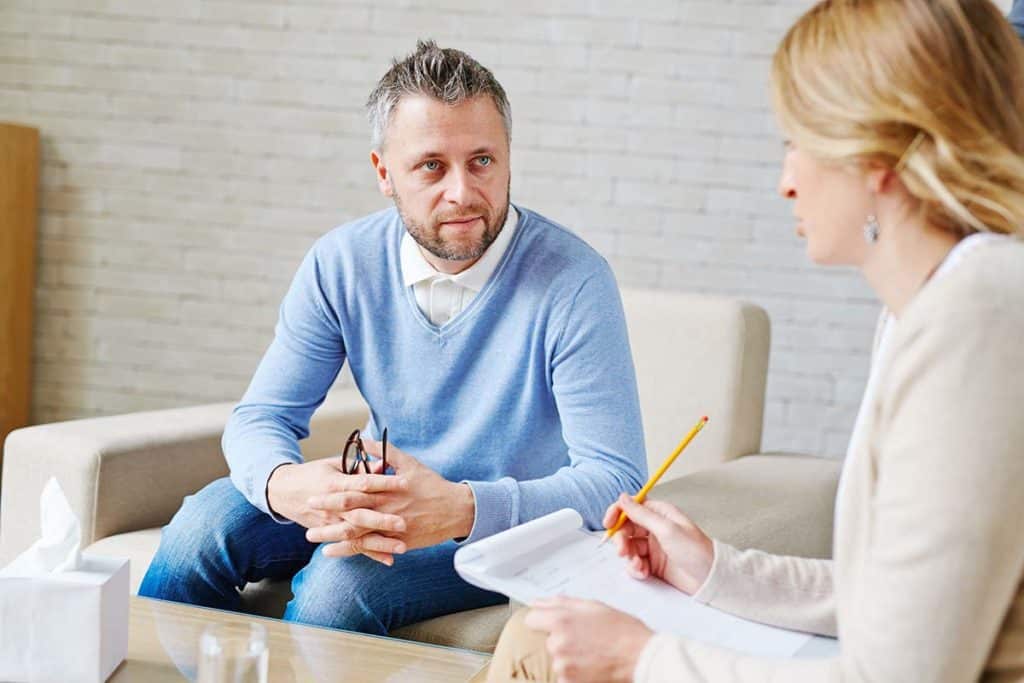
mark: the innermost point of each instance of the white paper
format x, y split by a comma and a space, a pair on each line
555, 555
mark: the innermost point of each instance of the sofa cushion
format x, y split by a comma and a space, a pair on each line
779, 503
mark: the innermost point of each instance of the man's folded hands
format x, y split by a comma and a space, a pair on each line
380, 515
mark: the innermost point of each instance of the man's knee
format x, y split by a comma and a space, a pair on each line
203, 529
341, 593
216, 544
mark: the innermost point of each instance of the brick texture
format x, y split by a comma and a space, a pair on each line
194, 149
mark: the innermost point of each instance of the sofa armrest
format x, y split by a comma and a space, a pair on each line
697, 354
128, 472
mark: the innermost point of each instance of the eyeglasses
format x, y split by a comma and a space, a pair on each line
350, 463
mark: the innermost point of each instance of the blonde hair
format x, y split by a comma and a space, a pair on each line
934, 89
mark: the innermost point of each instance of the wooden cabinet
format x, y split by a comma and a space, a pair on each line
19, 181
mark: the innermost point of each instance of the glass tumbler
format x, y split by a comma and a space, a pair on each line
233, 653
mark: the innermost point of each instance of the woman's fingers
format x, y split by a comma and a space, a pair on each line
654, 522
669, 511
611, 515
638, 568
622, 545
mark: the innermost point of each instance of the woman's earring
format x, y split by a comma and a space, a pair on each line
871, 229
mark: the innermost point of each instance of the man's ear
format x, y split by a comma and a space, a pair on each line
381, 173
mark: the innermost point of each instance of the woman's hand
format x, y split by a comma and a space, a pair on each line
587, 640
659, 540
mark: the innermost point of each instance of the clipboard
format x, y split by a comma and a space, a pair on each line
557, 555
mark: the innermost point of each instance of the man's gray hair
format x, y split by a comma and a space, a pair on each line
448, 75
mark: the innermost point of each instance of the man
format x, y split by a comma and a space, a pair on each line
489, 341
1017, 16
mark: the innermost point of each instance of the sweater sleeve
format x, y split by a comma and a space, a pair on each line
291, 382
1017, 17
595, 392
788, 592
946, 549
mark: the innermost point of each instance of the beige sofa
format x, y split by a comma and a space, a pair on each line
126, 475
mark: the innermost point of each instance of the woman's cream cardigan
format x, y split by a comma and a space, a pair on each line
926, 580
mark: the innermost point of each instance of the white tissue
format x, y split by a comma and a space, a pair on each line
59, 547
63, 614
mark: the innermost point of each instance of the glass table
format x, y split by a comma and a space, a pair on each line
164, 638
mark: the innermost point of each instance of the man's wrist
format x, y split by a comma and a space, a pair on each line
270, 503
464, 511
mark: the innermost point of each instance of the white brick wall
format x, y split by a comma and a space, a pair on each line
194, 149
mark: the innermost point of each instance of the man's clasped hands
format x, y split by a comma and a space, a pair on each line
376, 514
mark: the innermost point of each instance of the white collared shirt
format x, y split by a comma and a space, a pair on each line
440, 296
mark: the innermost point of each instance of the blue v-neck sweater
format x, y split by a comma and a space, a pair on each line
528, 395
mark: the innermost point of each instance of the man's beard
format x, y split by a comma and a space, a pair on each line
450, 250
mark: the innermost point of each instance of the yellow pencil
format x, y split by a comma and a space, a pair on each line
642, 495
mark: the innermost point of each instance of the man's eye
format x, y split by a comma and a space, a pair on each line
431, 165
484, 160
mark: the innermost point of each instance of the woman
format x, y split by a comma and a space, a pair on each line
905, 159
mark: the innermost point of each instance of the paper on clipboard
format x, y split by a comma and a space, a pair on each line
556, 555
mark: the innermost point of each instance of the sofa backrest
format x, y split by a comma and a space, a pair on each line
696, 355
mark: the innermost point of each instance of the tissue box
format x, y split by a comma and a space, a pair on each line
70, 627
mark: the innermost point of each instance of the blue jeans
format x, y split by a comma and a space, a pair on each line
218, 542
